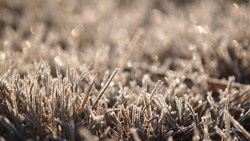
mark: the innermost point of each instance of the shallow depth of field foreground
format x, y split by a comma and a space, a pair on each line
124, 70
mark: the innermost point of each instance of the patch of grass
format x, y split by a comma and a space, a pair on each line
183, 70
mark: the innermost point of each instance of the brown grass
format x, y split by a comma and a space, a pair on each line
183, 74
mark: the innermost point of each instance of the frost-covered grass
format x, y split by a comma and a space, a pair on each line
124, 70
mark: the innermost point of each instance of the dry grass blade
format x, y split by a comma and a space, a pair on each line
105, 87
83, 74
32, 122
230, 83
37, 70
126, 120
5, 92
154, 90
9, 125
238, 126
87, 93
245, 115
87, 135
135, 134
71, 130
220, 132
146, 102
196, 136
195, 116
216, 84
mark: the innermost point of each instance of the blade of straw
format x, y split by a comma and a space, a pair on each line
87, 94
105, 87
238, 126
146, 102
154, 89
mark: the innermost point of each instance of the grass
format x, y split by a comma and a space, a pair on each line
183, 66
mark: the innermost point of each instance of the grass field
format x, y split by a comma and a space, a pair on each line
125, 70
